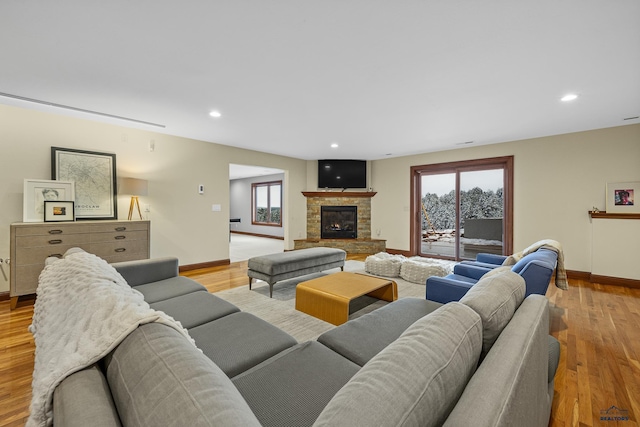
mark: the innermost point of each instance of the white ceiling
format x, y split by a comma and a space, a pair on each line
379, 78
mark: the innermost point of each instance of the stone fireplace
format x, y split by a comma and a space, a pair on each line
358, 242
338, 222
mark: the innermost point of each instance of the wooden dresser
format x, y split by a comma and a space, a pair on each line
32, 243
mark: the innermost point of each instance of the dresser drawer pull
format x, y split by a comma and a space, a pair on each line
56, 255
121, 228
120, 237
55, 241
121, 249
55, 231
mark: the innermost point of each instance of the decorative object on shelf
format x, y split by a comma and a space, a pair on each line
37, 191
595, 210
58, 211
94, 175
134, 187
621, 197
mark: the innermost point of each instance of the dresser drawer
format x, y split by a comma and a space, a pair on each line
51, 240
27, 276
120, 248
49, 230
37, 254
119, 226
119, 236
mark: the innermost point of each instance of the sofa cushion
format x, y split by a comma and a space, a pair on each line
294, 386
84, 399
168, 288
158, 378
359, 340
495, 298
195, 308
143, 271
417, 379
240, 341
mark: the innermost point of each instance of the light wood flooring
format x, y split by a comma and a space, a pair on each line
598, 327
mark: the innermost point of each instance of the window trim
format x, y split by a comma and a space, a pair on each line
267, 184
506, 162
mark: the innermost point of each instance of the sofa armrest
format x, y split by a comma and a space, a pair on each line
490, 258
144, 271
537, 276
470, 271
444, 290
515, 371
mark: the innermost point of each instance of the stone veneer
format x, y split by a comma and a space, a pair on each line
363, 244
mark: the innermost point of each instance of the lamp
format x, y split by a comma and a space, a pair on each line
135, 187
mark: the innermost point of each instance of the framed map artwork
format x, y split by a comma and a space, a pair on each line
94, 175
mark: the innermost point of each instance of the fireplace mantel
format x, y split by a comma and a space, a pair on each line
362, 199
339, 194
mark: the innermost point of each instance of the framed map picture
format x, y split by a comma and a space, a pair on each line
94, 175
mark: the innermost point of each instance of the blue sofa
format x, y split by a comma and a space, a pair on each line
536, 268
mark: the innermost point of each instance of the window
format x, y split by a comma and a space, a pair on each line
462, 208
266, 203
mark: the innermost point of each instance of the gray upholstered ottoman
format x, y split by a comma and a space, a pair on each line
286, 265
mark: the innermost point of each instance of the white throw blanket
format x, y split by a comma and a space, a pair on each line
84, 309
561, 274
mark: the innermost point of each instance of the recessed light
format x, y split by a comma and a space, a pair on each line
569, 97
334, 145
215, 114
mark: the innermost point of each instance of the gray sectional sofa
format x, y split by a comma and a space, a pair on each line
487, 360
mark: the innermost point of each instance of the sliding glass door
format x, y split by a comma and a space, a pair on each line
462, 208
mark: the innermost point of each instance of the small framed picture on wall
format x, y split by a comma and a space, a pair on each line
622, 197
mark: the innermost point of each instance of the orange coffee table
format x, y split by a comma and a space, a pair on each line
328, 297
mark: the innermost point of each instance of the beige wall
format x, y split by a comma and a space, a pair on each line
558, 179
182, 221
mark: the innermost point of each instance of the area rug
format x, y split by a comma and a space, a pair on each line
280, 310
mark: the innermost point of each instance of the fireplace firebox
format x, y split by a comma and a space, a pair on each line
339, 222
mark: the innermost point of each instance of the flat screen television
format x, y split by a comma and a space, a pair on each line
342, 174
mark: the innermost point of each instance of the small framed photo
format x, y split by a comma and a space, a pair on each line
59, 210
37, 191
622, 197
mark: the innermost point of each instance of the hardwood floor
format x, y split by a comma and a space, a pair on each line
598, 327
